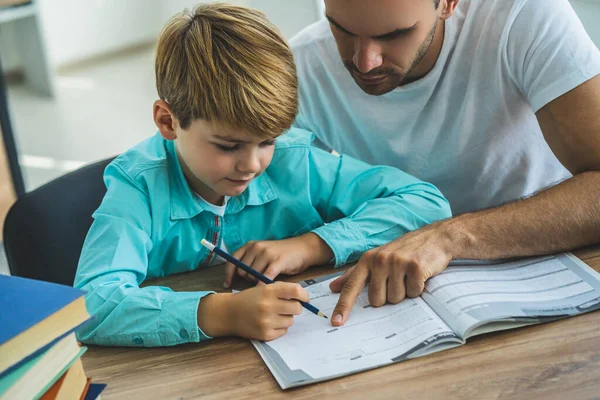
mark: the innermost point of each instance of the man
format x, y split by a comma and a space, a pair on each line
496, 102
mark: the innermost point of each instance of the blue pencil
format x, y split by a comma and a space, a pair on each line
254, 273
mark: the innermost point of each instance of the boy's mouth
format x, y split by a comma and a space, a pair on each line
239, 181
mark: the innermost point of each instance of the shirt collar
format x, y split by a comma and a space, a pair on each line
185, 206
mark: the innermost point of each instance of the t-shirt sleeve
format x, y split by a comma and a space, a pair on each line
548, 51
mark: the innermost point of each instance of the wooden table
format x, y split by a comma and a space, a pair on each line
556, 360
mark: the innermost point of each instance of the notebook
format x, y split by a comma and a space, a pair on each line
465, 300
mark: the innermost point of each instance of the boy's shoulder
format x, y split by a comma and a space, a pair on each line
148, 155
292, 150
294, 138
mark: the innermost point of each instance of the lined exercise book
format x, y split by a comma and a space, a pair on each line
467, 299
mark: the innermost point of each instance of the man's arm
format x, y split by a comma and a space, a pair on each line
561, 218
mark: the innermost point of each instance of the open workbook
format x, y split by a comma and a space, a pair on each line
467, 299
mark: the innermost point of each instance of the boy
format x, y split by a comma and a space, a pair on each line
228, 88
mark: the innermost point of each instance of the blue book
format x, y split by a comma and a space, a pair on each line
94, 391
35, 315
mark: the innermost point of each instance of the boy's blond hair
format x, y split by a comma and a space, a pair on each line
227, 64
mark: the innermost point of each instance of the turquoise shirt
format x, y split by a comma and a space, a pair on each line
150, 225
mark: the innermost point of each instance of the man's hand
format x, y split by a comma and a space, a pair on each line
561, 218
395, 270
274, 257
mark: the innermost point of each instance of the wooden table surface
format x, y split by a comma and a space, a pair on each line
555, 360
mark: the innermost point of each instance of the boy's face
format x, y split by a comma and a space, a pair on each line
220, 161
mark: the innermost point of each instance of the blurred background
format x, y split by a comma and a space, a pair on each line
99, 62
78, 81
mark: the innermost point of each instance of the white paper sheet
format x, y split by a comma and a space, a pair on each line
371, 337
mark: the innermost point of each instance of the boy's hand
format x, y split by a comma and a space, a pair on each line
274, 257
262, 312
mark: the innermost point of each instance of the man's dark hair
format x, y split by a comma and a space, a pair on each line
437, 3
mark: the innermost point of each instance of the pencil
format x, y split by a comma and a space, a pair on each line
254, 273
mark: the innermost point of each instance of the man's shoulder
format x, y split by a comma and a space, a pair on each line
311, 35
494, 12
314, 47
494, 27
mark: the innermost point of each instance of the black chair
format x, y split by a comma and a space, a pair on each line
45, 229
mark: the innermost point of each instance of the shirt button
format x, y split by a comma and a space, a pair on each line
183, 333
138, 340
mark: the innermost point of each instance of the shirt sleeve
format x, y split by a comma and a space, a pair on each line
113, 264
365, 206
548, 52
303, 125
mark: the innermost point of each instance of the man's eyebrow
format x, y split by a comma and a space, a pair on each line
397, 33
390, 35
341, 28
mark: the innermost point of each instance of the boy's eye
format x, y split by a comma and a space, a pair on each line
270, 142
227, 148
235, 147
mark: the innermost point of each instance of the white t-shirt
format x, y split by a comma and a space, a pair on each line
218, 211
469, 126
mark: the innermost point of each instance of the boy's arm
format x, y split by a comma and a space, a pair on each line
366, 206
114, 262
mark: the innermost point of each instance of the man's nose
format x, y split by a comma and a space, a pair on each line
367, 55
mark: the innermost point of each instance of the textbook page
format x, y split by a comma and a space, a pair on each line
312, 350
475, 298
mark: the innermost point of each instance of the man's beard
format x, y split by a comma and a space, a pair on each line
394, 76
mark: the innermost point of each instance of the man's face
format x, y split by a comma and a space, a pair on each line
381, 42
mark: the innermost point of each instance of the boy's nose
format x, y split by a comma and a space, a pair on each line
249, 165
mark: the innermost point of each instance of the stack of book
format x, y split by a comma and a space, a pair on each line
40, 357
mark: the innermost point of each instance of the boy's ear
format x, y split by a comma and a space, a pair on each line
165, 119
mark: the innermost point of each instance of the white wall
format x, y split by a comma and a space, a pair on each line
172, 7
8, 52
75, 30
289, 16
78, 29
589, 14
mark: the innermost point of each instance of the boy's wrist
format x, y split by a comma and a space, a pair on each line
318, 251
213, 314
